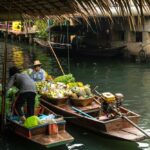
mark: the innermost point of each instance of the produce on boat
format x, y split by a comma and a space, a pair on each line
105, 115
44, 128
77, 92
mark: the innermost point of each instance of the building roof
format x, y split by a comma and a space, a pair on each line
16, 9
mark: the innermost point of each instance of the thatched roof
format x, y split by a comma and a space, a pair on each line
16, 9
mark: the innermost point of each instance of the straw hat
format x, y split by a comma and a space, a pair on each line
37, 62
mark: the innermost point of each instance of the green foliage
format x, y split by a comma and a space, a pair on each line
41, 27
7, 105
12, 92
37, 100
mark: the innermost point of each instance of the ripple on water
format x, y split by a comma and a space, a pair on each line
75, 146
143, 145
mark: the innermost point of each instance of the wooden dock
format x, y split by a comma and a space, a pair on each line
26, 34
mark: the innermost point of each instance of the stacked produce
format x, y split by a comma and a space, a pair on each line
52, 90
80, 91
74, 90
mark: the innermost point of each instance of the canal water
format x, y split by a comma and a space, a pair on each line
110, 75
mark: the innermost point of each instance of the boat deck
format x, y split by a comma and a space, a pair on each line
132, 134
90, 108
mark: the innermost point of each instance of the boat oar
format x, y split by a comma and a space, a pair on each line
71, 117
126, 118
83, 113
131, 122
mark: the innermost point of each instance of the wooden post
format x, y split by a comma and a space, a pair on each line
19, 37
3, 114
12, 37
30, 39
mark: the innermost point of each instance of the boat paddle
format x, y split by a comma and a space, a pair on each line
83, 113
131, 122
126, 118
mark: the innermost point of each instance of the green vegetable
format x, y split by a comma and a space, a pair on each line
37, 100
65, 78
31, 122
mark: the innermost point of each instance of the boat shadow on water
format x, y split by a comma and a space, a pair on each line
92, 141
11, 141
84, 140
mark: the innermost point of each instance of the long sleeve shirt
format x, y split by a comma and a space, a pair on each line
23, 82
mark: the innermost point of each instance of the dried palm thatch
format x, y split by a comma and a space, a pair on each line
58, 9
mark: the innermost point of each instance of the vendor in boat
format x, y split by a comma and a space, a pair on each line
27, 91
37, 73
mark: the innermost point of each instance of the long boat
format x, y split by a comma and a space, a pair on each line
116, 127
47, 135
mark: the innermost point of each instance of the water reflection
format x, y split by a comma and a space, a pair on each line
92, 141
18, 57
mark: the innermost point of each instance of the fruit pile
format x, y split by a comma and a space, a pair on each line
81, 92
52, 90
75, 90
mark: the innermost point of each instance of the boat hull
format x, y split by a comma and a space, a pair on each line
47, 135
117, 128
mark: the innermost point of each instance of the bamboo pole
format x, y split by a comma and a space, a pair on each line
3, 113
56, 57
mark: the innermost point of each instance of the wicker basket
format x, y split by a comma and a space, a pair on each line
57, 101
81, 102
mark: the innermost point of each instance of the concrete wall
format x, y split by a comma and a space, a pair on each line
130, 38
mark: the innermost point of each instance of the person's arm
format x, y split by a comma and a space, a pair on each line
11, 82
44, 74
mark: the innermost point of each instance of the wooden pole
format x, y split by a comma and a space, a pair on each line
3, 114
56, 58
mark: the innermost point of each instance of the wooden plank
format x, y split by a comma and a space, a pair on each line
128, 134
133, 130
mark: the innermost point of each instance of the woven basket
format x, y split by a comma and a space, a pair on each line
57, 101
82, 102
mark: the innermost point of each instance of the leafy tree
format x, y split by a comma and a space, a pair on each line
41, 27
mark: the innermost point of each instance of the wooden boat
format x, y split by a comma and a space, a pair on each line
60, 48
115, 127
47, 135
